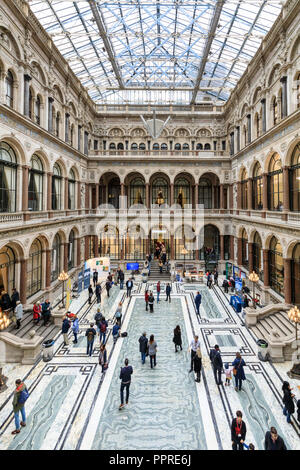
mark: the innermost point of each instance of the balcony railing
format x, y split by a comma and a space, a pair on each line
159, 153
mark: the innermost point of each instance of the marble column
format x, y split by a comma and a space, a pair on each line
86, 247
66, 206
222, 247
231, 196
231, 247
50, 114
25, 173
87, 198
78, 195
287, 266
97, 196
65, 247
250, 256
196, 195
266, 268
286, 189
240, 252
284, 97
96, 246
27, 79
250, 186
78, 251
239, 195
265, 192
171, 194
263, 115
49, 191
221, 196
147, 195
23, 281
48, 268
172, 247
249, 127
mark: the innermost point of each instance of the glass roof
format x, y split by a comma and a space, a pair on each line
157, 51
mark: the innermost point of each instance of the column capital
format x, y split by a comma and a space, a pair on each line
27, 77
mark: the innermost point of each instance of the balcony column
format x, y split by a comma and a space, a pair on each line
232, 247
66, 249
286, 193
222, 255
23, 281
263, 115
222, 196
265, 192
48, 268
49, 191
25, 173
250, 257
66, 193
287, 266
171, 194
86, 247
196, 192
240, 252
27, 110
50, 114
96, 246
239, 195
266, 268
147, 195
250, 186
284, 97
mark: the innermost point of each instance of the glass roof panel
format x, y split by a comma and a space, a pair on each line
128, 51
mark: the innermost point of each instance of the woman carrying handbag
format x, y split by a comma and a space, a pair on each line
238, 371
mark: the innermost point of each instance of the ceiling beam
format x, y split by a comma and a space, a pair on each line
208, 43
106, 42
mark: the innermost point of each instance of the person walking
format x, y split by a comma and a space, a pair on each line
151, 302
129, 286
146, 299
198, 364
91, 292
90, 336
37, 312
103, 358
152, 349
46, 312
195, 344
116, 331
177, 340
121, 278
217, 364
75, 328
107, 286
95, 277
143, 341
225, 285
118, 314
98, 317
273, 441
158, 290
198, 300
98, 291
238, 371
125, 376
289, 406
216, 275
103, 328
18, 314
5, 301
160, 266
64, 329
238, 432
20, 396
168, 292
15, 296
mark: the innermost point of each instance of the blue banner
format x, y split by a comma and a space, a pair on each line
87, 278
80, 280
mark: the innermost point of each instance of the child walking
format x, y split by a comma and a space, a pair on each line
228, 373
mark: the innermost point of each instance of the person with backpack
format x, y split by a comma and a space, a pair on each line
177, 340
20, 396
238, 371
225, 285
116, 332
75, 328
273, 441
217, 364
90, 336
108, 286
121, 277
98, 291
98, 317
91, 292
195, 344
103, 358
64, 329
168, 292
289, 406
158, 290
198, 364
125, 376
118, 314
198, 300
238, 432
143, 346
103, 328
95, 277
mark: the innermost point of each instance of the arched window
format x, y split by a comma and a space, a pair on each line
71, 190
163, 147
244, 248
120, 146
137, 191
205, 193
275, 110
110, 243
257, 187
182, 191
56, 187
9, 88
206, 146
296, 275
142, 146
35, 186
276, 272
257, 254
275, 184
112, 146
37, 110
134, 146
210, 251
56, 258
199, 147
160, 191
155, 146
295, 180
7, 269
114, 192
185, 146
34, 268
71, 250
177, 147
244, 189
8, 178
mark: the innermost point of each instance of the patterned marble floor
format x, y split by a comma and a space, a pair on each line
73, 406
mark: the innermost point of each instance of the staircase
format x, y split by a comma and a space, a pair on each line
155, 274
46, 332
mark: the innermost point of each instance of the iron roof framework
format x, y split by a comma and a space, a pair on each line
157, 51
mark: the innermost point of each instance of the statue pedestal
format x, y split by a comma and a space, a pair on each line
294, 373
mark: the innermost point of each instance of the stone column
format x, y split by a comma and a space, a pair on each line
286, 193
284, 97
249, 127
171, 194
239, 195
196, 195
123, 204
48, 268
287, 266
23, 281
263, 115
250, 256
97, 195
66, 194
49, 191
86, 247
266, 268
25, 171
238, 139
27, 79
172, 251
50, 114
250, 186
221, 196
65, 245
78, 251
147, 194
232, 247
78, 195
222, 255
240, 252
96, 246
231, 196
265, 192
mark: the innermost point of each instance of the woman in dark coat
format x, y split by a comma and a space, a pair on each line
177, 338
238, 366
289, 406
198, 364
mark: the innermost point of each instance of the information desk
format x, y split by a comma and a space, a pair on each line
236, 302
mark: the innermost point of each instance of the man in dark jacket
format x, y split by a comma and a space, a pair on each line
143, 346
125, 376
198, 300
98, 292
95, 277
5, 301
64, 329
217, 364
238, 432
225, 285
14, 298
129, 285
46, 311
90, 336
108, 286
168, 292
121, 278
273, 441
19, 405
